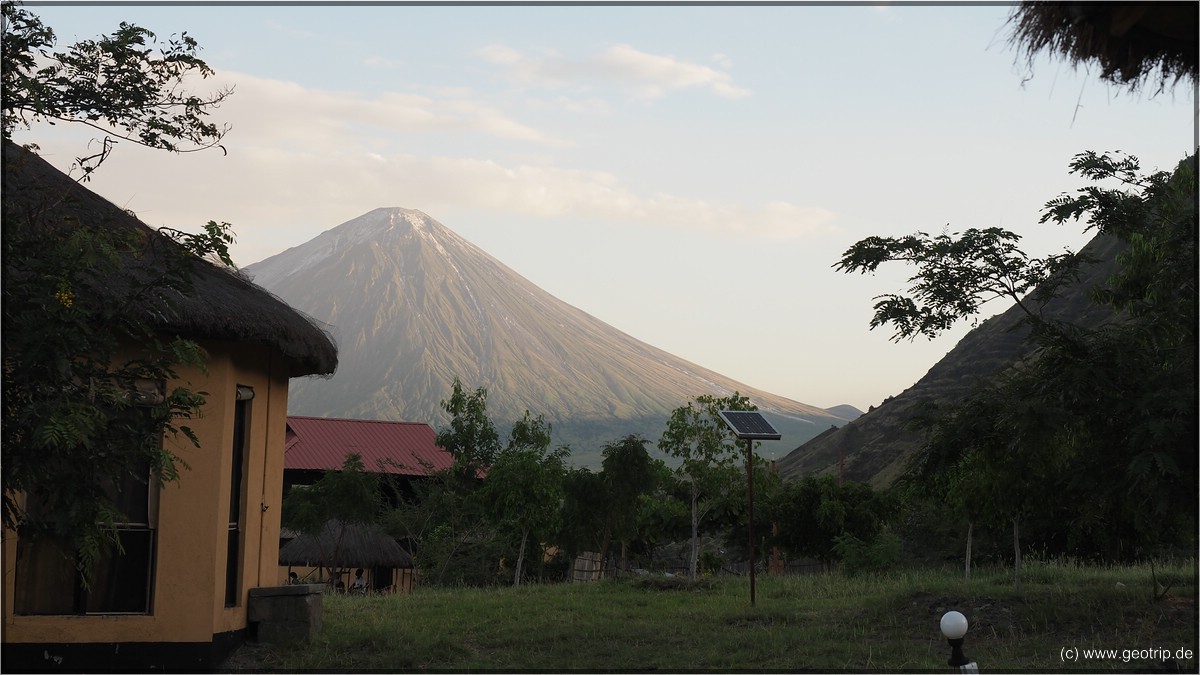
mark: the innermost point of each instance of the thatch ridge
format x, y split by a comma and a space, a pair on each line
223, 305
361, 545
1131, 42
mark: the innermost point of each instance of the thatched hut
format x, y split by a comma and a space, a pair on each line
223, 305
1132, 42
340, 547
176, 597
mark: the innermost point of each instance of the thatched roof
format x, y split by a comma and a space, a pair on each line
1132, 42
360, 546
222, 304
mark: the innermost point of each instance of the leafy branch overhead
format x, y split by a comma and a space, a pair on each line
956, 274
127, 84
92, 363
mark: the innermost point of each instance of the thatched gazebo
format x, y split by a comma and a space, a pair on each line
1130, 41
345, 546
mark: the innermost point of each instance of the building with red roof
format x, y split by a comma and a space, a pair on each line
314, 445
403, 452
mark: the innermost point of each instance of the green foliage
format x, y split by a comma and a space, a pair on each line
628, 501
813, 512
879, 554
471, 437
450, 522
450, 540
492, 502
81, 408
627, 472
1089, 441
706, 446
584, 512
350, 495
523, 491
662, 518
956, 274
710, 563
732, 511
125, 83
85, 368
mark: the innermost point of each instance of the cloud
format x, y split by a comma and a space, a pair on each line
264, 111
302, 161
644, 74
653, 75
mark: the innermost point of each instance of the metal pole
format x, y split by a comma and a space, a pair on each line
750, 483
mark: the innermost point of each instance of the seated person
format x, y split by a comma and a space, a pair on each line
360, 584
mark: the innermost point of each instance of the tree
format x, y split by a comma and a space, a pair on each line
346, 497
126, 84
448, 536
83, 415
733, 508
628, 473
471, 438
996, 459
814, 511
523, 491
696, 435
584, 512
1087, 399
456, 541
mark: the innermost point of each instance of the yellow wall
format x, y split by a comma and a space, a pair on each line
189, 586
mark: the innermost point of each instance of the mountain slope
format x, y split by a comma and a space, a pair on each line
876, 445
412, 305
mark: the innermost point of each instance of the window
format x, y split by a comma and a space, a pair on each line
47, 581
241, 440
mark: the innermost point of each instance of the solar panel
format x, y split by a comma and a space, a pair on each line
750, 424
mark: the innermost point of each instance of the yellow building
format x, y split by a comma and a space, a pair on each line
177, 598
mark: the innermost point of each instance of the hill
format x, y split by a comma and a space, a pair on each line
876, 445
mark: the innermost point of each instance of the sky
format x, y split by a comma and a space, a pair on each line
688, 174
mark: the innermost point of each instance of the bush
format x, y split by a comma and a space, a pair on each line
856, 556
710, 563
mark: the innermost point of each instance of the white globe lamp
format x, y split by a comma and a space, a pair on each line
954, 627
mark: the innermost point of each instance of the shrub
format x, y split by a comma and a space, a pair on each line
879, 555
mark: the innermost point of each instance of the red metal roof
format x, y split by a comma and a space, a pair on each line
322, 443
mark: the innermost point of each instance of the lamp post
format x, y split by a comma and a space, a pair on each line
954, 627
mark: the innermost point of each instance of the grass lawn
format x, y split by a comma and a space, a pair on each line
798, 623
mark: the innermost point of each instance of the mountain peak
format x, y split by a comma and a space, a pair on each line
412, 306
384, 222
